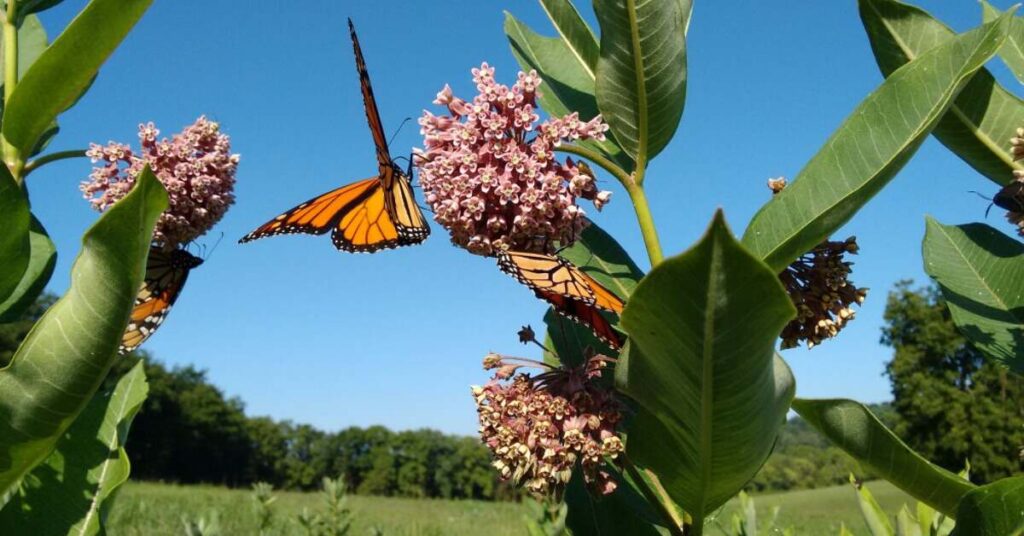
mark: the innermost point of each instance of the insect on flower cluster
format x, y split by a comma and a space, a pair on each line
489, 172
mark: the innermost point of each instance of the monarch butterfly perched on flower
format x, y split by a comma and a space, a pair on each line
366, 216
570, 292
166, 273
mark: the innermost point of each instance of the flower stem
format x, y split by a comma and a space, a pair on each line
52, 157
10, 153
636, 193
646, 222
659, 500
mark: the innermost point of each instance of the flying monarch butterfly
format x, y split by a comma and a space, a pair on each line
166, 273
366, 216
570, 292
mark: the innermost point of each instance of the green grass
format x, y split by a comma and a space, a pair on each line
157, 509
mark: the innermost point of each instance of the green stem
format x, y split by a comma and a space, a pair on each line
636, 194
52, 157
643, 217
662, 503
10, 153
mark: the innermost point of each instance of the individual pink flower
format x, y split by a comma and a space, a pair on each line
489, 173
196, 167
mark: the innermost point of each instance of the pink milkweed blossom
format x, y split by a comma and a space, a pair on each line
490, 174
195, 166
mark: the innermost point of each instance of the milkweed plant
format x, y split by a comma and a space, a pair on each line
651, 433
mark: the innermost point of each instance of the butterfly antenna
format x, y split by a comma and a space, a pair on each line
397, 130
989, 199
206, 253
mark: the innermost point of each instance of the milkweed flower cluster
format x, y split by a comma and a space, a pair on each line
539, 428
195, 166
489, 172
819, 285
1017, 148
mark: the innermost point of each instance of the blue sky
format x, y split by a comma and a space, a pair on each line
301, 331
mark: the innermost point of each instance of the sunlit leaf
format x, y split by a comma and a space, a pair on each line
869, 148
1012, 52
853, 428
702, 367
63, 360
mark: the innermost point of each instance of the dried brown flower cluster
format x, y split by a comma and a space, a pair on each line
539, 428
819, 285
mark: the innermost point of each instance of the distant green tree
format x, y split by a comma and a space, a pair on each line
269, 443
952, 404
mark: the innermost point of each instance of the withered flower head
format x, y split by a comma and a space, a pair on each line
819, 285
540, 428
1017, 148
526, 335
777, 184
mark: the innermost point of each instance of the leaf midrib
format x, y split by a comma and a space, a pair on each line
706, 447
558, 28
953, 107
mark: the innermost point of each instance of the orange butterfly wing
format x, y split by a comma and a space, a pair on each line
366, 216
166, 274
570, 291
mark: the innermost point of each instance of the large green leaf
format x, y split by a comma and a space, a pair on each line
701, 364
42, 260
14, 236
69, 493
853, 428
1013, 49
65, 357
981, 274
66, 68
574, 32
997, 508
869, 148
982, 119
641, 73
568, 79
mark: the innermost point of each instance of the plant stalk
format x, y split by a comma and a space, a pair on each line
10, 153
52, 157
661, 503
636, 194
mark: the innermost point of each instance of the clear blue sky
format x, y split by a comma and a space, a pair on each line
301, 331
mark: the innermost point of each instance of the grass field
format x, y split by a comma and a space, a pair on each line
158, 509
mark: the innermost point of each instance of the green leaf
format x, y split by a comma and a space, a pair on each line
14, 240
701, 364
874, 516
623, 512
981, 274
569, 340
997, 508
568, 80
27, 7
70, 492
1012, 52
42, 260
853, 428
982, 119
65, 357
869, 148
574, 32
906, 525
641, 73
66, 68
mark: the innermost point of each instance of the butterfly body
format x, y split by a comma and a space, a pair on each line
570, 291
366, 216
166, 273
1010, 197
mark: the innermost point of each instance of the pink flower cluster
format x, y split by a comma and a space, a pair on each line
196, 167
490, 174
540, 428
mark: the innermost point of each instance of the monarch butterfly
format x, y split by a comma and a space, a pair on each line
569, 291
366, 216
166, 273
